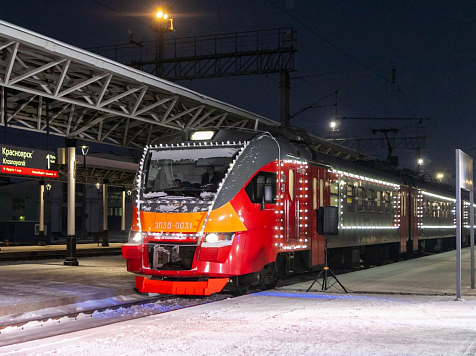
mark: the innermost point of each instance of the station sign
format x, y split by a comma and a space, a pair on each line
28, 162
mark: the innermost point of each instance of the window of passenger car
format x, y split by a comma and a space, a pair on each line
350, 198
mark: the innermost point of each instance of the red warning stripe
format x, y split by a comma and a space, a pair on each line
35, 172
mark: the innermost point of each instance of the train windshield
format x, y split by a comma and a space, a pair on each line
192, 172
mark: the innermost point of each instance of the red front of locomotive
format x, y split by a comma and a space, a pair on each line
211, 228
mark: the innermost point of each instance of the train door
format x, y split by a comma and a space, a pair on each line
292, 204
320, 197
415, 217
402, 215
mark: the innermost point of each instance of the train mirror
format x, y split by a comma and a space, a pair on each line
327, 220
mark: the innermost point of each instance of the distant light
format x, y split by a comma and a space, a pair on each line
202, 135
48, 186
159, 14
166, 16
420, 160
333, 124
21, 218
98, 185
440, 175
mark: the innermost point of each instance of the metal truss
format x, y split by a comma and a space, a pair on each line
230, 54
381, 143
49, 86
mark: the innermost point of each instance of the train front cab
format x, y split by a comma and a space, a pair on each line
260, 210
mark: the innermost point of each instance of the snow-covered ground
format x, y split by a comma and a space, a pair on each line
279, 323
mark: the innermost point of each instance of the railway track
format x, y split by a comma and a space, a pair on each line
47, 325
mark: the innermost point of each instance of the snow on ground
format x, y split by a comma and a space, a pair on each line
276, 323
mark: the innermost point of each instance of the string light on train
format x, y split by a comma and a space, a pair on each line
453, 200
220, 185
367, 179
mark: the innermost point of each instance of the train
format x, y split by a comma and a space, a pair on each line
226, 209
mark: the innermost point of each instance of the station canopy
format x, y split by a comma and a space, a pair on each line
96, 99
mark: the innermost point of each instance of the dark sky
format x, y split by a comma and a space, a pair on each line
431, 45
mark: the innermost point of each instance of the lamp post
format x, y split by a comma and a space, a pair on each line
105, 237
71, 259
161, 24
419, 164
334, 128
41, 232
84, 231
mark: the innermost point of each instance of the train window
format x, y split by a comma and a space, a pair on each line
350, 198
361, 202
388, 202
335, 193
255, 187
314, 193
371, 201
379, 201
321, 192
291, 184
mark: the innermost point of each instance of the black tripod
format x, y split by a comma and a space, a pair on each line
326, 270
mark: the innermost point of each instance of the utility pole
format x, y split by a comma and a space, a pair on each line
284, 86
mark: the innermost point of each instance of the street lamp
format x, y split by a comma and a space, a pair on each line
84, 231
161, 24
440, 176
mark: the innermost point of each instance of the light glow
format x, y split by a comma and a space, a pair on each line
202, 135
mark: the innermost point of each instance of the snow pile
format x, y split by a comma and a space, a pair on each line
271, 323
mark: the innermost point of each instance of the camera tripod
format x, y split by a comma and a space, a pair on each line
326, 271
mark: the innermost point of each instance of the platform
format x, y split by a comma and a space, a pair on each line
429, 275
58, 250
33, 285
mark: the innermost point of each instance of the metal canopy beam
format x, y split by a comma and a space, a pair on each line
96, 99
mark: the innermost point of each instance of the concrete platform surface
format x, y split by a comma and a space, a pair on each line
28, 286
429, 275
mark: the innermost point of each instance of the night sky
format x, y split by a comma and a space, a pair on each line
344, 46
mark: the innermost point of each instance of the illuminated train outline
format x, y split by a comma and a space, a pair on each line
244, 235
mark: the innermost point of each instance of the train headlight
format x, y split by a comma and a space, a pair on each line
211, 238
202, 135
135, 237
219, 238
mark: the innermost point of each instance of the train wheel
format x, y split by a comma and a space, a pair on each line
240, 290
241, 284
269, 276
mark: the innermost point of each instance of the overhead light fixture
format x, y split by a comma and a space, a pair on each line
85, 149
202, 135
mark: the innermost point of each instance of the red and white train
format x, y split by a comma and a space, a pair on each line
232, 208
